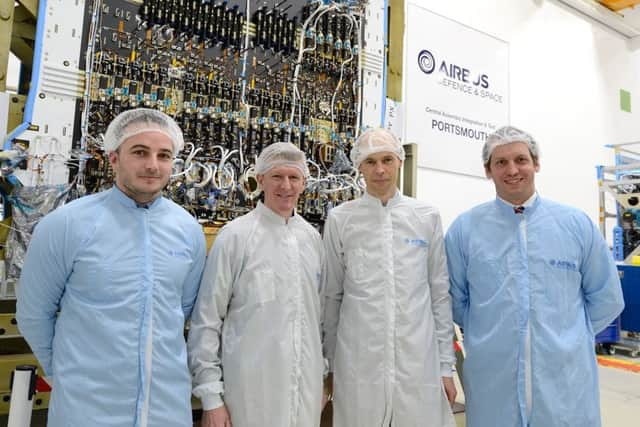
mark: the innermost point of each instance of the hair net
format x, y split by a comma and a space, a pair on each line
281, 154
507, 135
374, 141
134, 122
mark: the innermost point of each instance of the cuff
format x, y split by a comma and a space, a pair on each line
329, 364
446, 370
211, 401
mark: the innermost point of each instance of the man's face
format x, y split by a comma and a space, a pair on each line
513, 170
380, 171
142, 165
282, 186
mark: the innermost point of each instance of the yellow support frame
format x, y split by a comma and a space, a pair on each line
395, 49
6, 30
7, 365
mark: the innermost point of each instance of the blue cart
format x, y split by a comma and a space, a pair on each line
606, 339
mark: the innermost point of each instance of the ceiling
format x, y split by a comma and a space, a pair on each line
622, 16
619, 5
630, 13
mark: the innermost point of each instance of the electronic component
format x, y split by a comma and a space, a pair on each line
235, 80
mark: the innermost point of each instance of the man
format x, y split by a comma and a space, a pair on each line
122, 267
532, 282
387, 323
254, 341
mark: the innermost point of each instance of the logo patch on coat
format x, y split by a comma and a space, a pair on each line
184, 253
563, 264
421, 243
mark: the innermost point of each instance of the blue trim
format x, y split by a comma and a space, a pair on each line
35, 76
384, 63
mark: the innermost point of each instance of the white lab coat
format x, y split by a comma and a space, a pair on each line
387, 321
254, 340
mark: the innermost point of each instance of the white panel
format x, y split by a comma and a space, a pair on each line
60, 83
4, 112
457, 90
566, 72
373, 64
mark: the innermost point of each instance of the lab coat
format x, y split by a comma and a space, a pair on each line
254, 341
387, 321
124, 279
547, 274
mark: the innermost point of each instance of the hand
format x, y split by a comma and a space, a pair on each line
449, 389
327, 391
218, 417
325, 399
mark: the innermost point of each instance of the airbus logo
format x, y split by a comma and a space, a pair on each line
452, 72
426, 61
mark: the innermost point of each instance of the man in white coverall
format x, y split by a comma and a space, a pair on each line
254, 345
387, 319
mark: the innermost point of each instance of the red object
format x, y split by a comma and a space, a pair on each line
456, 346
42, 386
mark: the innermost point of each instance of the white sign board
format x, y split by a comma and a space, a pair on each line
456, 90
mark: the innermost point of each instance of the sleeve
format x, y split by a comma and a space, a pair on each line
600, 281
457, 263
333, 277
192, 281
440, 299
321, 294
204, 341
42, 283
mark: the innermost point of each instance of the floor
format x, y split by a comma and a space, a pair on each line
619, 399
619, 396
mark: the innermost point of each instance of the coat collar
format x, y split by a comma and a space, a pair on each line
530, 205
128, 202
370, 200
273, 217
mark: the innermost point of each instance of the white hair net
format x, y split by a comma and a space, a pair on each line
373, 141
507, 135
137, 121
281, 154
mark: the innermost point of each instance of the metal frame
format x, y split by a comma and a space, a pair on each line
410, 170
611, 181
17, 34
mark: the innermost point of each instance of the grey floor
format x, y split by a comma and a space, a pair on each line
619, 398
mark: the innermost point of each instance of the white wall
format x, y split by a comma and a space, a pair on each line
566, 72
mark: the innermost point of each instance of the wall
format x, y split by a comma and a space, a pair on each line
566, 72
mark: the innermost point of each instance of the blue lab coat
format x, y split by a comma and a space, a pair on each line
553, 278
124, 279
